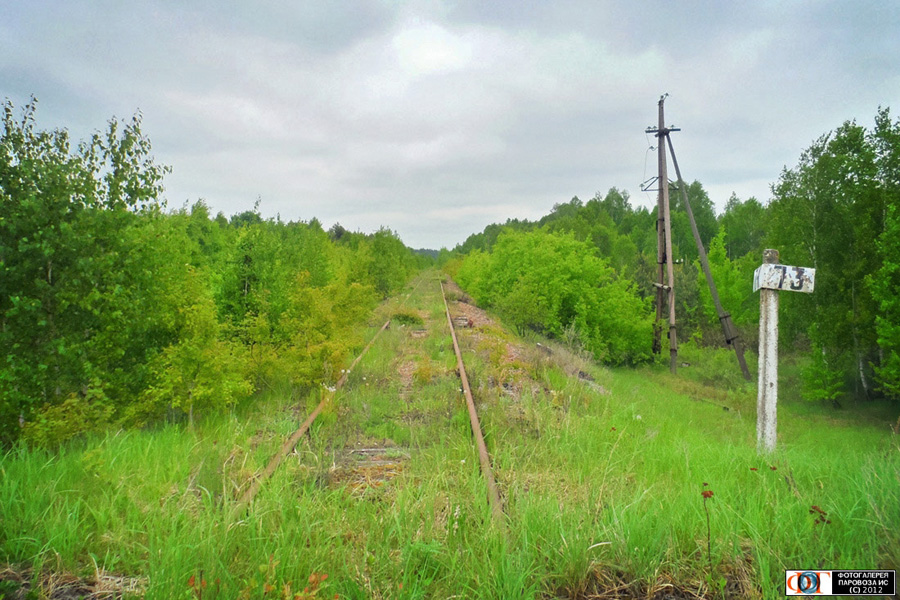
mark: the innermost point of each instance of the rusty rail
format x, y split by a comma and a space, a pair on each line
288, 447
486, 470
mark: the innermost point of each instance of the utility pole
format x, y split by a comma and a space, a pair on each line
664, 250
732, 337
664, 254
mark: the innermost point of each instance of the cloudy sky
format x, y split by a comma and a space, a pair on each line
438, 118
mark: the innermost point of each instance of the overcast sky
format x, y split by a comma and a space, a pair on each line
438, 118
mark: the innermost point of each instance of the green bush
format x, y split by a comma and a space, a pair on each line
115, 311
549, 282
407, 317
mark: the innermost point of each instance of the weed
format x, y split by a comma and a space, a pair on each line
407, 317
707, 494
821, 517
197, 586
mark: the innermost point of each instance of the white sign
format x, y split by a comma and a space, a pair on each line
783, 277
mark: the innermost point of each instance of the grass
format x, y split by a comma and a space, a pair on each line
601, 476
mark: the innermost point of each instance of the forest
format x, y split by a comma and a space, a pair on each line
584, 272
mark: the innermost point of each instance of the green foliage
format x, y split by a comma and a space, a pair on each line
746, 223
885, 284
199, 371
71, 229
322, 325
826, 212
407, 317
822, 380
733, 280
704, 212
525, 307
714, 367
623, 236
547, 282
112, 311
76, 415
392, 263
620, 233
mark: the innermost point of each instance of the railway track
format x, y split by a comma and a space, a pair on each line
374, 456
378, 491
485, 461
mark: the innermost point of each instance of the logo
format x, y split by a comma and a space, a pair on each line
807, 583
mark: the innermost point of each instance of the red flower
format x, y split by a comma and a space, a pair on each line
612, 429
705, 484
754, 469
773, 467
707, 494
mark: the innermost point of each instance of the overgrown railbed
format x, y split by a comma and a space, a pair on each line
603, 474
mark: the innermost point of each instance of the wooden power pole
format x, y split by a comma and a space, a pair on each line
664, 255
665, 289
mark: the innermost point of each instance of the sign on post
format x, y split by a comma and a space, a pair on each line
770, 278
783, 277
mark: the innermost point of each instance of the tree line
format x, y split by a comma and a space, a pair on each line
114, 310
837, 210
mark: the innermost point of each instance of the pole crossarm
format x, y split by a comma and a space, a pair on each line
657, 132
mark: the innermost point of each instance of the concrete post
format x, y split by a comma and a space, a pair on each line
767, 395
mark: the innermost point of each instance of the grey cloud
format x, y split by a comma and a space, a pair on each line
437, 118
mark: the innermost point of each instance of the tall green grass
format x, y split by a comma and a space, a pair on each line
601, 482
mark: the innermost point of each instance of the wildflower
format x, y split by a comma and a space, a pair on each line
754, 469
707, 494
773, 467
612, 429
821, 515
